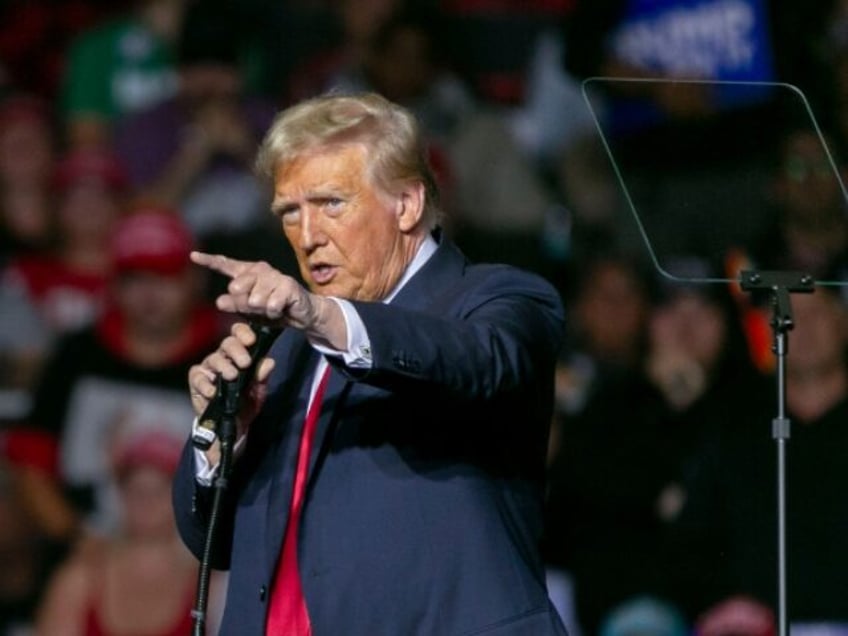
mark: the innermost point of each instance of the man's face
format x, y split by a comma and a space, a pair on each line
87, 211
351, 239
156, 305
205, 82
808, 187
819, 335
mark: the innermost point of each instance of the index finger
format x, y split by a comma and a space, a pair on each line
222, 264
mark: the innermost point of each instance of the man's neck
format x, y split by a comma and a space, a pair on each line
422, 252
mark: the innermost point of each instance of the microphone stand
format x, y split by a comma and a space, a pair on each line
219, 421
780, 285
226, 431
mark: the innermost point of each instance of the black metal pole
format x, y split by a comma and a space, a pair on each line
780, 432
780, 285
227, 435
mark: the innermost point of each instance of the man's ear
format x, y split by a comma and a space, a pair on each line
410, 206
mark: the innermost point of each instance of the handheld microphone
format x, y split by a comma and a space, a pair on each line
206, 430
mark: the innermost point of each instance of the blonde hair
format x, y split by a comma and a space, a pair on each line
390, 133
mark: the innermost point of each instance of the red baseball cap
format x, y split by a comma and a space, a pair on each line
151, 240
99, 167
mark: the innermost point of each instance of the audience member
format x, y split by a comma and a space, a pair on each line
194, 151
644, 616
33, 527
34, 37
819, 60
358, 22
26, 167
492, 42
26, 231
402, 62
695, 341
618, 480
132, 363
608, 294
67, 285
509, 52
726, 534
280, 37
804, 230
610, 297
63, 289
807, 228
140, 579
118, 68
508, 196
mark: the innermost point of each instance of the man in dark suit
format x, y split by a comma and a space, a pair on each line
390, 467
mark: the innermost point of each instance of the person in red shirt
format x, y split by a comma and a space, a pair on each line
141, 578
49, 293
67, 285
131, 363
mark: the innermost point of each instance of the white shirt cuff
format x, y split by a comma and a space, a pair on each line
358, 352
204, 471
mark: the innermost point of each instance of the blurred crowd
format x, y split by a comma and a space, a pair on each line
127, 137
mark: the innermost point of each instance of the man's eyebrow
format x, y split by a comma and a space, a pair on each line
282, 204
278, 206
324, 192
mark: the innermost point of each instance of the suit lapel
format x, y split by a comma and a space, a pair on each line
334, 397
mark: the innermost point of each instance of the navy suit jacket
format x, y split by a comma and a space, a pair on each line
424, 498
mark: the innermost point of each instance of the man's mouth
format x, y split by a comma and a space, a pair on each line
322, 273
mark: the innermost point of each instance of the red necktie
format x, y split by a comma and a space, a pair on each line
287, 615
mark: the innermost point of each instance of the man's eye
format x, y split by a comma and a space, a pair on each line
290, 216
333, 206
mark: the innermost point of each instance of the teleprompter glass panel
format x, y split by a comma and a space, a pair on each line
738, 175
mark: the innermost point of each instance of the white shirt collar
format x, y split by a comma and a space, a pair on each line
425, 251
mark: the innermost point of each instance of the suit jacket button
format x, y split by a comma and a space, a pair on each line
263, 592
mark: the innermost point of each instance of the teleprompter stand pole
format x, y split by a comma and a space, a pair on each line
226, 432
780, 285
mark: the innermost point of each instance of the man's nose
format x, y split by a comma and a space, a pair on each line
311, 230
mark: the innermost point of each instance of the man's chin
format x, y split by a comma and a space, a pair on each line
327, 289
337, 290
